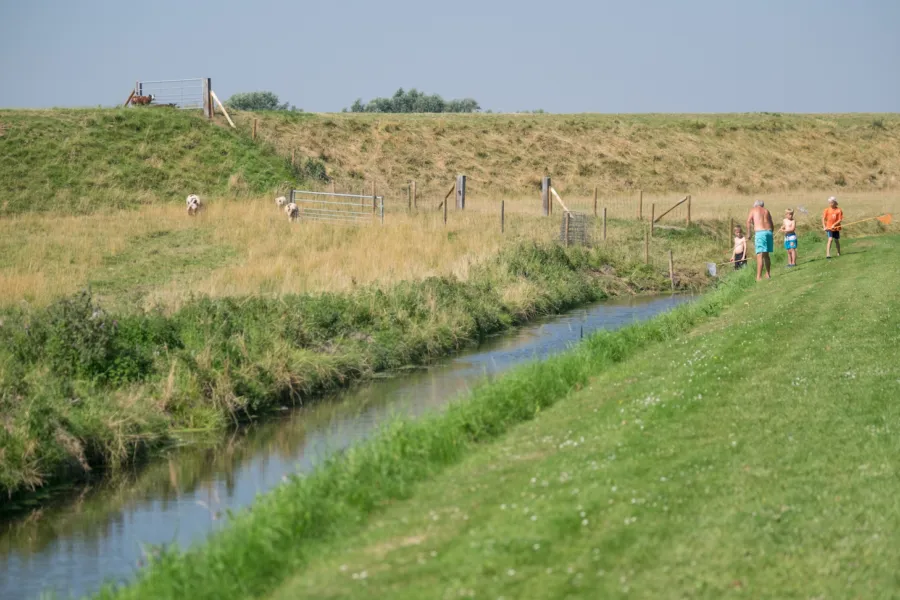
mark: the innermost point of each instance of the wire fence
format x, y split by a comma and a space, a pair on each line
335, 207
180, 93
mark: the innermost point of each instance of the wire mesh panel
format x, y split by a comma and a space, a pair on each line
575, 228
346, 208
180, 93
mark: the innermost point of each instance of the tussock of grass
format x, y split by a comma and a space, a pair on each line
265, 544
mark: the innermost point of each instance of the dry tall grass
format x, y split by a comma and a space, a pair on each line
508, 154
161, 256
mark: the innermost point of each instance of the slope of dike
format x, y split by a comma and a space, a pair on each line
508, 153
83, 160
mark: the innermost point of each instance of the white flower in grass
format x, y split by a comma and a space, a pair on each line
511, 572
536, 547
584, 523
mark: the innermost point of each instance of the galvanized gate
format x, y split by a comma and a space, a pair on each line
575, 228
181, 93
347, 208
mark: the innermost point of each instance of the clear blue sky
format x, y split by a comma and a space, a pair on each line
559, 55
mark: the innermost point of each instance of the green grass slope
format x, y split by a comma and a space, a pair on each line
738, 445
753, 457
88, 159
508, 153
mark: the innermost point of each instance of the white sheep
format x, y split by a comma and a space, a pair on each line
292, 211
193, 204
280, 201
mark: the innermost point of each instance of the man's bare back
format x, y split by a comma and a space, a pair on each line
761, 219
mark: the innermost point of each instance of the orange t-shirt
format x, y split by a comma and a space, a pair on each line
832, 216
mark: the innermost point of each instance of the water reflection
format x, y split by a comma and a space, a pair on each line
102, 534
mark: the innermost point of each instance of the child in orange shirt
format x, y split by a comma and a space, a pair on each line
831, 223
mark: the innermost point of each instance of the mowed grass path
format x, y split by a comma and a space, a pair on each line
755, 457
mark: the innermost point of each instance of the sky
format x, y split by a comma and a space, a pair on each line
562, 56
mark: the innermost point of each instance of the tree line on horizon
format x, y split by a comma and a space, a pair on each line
412, 101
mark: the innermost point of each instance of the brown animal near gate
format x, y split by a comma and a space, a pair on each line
142, 100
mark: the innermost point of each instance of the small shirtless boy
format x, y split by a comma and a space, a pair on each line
739, 254
760, 219
789, 227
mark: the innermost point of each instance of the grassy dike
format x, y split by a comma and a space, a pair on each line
754, 456
295, 523
82, 388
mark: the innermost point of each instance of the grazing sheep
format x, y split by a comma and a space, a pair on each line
193, 204
280, 201
292, 211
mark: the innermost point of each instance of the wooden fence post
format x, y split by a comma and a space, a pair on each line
408, 196
546, 202
641, 205
445, 209
672, 270
209, 108
604, 222
567, 229
502, 216
689, 211
374, 198
646, 247
255, 124
595, 202
730, 232
415, 203
461, 192
652, 217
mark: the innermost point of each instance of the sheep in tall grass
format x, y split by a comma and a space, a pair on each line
280, 201
292, 211
193, 204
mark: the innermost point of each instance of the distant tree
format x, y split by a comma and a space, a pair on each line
415, 101
257, 101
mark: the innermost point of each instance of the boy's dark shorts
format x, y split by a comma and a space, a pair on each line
834, 234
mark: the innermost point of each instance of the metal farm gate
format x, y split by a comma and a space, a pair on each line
346, 208
191, 93
575, 228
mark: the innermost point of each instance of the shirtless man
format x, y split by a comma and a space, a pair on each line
760, 219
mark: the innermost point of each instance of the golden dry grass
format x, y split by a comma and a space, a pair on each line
158, 255
508, 153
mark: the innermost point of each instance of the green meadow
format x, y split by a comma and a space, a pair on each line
739, 445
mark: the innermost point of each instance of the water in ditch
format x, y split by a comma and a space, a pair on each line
180, 498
